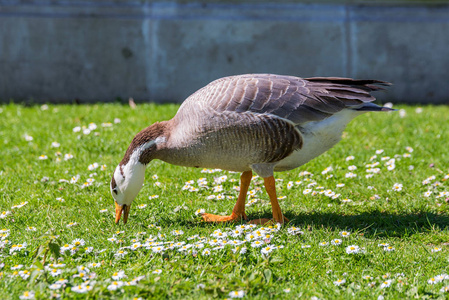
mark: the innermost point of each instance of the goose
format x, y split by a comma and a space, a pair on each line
262, 123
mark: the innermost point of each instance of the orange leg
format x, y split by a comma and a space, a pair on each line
238, 212
278, 217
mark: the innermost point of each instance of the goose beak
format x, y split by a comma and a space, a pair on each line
119, 209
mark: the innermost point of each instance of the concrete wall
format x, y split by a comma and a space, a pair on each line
61, 50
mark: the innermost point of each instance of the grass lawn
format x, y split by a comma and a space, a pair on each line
368, 218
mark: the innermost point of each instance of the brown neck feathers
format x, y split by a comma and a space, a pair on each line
151, 133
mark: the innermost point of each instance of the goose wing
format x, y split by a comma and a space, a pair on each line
292, 98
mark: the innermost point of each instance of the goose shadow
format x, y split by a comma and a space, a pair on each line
371, 224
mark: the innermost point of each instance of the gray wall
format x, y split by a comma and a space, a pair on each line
62, 50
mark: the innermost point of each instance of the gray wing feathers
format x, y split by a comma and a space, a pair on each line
295, 99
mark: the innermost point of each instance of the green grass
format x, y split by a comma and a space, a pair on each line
411, 223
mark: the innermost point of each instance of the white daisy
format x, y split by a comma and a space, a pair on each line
336, 242
118, 275
339, 282
397, 187
237, 294
386, 283
345, 233
353, 249
27, 295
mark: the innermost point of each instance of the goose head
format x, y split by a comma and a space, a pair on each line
128, 176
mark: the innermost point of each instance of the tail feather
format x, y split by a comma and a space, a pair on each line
369, 106
365, 84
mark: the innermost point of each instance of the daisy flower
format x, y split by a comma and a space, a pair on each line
4, 214
78, 242
267, 249
339, 282
257, 244
65, 248
94, 265
389, 248
177, 232
427, 194
81, 289
386, 283
345, 233
158, 249
433, 280
27, 295
71, 224
135, 246
120, 254
112, 239
436, 249
54, 286
397, 187
336, 242
118, 275
323, 244
327, 170
17, 247
93, 166
28, 138
55, 272
350, 158
329, 193
16, 267
115, 285
219, 234
307, 191
61, 281
353, 249
220, 197
43, 157
237, 294
157, 271
24, 274
442, 277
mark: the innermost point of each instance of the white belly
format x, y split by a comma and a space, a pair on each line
318, 137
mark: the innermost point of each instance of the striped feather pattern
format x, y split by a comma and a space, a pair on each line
295, 99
